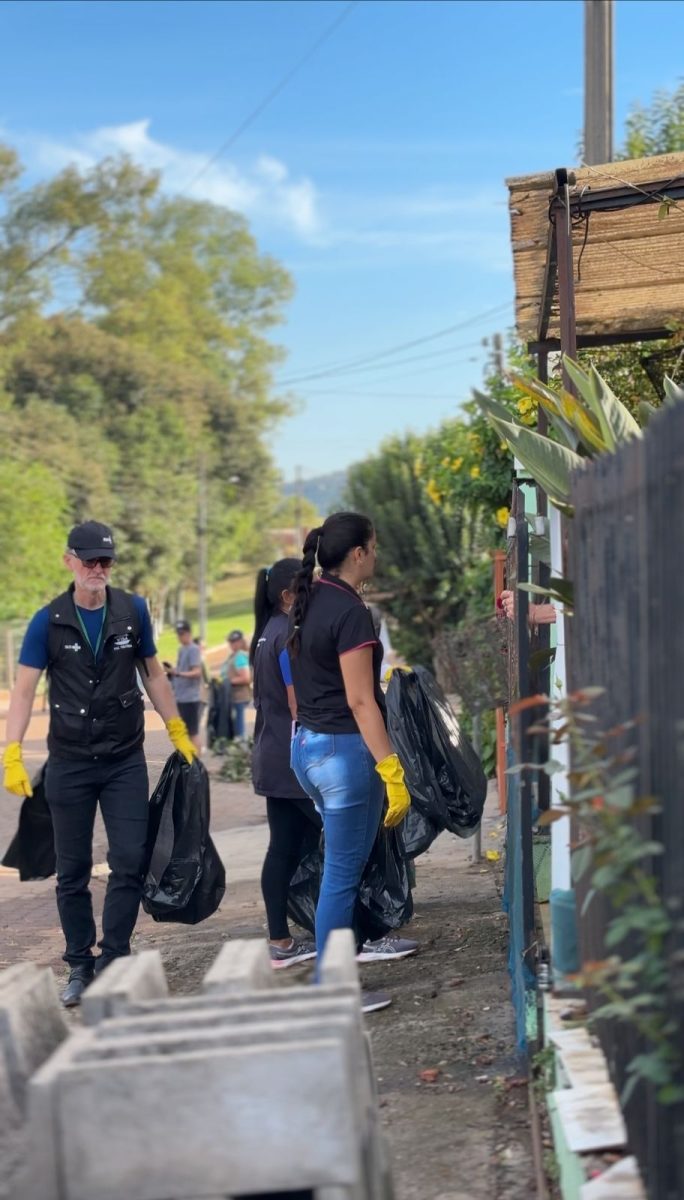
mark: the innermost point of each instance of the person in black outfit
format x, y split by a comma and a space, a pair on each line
92, 640
341, 753
292, 817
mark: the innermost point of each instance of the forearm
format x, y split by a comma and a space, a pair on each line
20, 707
161, 694
372, 728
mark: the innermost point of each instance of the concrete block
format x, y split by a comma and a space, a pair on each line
31, 1023
339, 959
165, 1127
179, 1020
242, 965
273, 994
135, 978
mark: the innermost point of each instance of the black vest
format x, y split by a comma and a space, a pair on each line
96, 709
271, 771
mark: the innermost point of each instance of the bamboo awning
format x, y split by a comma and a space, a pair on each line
628, 251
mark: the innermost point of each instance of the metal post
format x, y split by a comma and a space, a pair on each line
598, 81
476, 839
202, 548
566, 269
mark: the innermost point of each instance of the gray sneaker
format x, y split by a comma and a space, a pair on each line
374, 1001
387, 949
298, 952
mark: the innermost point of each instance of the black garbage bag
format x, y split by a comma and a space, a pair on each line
443, 773
306, 882
32, 849
419, 832
385, 900
185, 879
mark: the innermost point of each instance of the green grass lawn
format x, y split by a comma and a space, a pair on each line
230, 607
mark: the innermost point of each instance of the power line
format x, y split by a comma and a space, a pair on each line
353, 364
275, 91
394, 363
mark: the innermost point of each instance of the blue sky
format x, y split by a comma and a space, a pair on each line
376, 176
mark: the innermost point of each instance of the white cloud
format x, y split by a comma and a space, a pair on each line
264, 190
366, 226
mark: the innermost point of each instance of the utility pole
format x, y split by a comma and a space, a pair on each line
202, 547
598, 81
499, 359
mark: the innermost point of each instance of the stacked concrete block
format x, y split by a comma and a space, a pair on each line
138, 977
31, 1025
248, 1088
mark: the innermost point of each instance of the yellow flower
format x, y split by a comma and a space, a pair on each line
524, 406
457, 464
474, 472
503, 445
434, 492
445, 461
501, 515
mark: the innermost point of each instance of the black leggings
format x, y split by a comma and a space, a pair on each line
290, 822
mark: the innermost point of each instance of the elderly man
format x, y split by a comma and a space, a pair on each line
91, 640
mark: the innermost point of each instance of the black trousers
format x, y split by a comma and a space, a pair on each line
73, 789
289, 822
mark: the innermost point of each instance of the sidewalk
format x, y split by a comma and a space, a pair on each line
453, 1108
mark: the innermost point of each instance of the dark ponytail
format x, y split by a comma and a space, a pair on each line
328, 544
271, 582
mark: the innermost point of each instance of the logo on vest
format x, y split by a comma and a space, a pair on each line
123, 642
73, 646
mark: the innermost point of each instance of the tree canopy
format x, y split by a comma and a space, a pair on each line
135, 360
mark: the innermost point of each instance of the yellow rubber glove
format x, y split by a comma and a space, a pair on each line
390, 671
391, 772
180, 738
16, 778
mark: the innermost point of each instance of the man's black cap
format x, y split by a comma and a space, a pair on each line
183, 627
91, 540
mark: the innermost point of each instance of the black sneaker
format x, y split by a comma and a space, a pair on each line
79, 979
298, 952
374, 1001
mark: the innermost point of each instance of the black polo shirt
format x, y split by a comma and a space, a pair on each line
337, 621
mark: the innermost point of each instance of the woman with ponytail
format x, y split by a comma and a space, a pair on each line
291, 814
341, 753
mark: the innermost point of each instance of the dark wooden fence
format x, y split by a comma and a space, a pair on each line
627, 563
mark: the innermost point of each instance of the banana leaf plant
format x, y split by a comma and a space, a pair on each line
592, 422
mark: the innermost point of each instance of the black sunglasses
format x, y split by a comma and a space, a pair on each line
99, 562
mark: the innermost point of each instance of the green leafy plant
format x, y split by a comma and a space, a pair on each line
593, 422
237, 760
632, 980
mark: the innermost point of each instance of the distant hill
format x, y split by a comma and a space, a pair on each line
325, 491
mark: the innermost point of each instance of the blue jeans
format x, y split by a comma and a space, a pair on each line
239, 710
338, 772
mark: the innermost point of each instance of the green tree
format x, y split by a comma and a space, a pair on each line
166, 373
420, 569
33, 526
657, 128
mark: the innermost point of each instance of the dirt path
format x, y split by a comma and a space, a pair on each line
464, 1136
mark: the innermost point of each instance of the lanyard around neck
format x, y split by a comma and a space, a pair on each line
96, 648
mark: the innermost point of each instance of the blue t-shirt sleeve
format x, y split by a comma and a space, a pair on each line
285, 668
147, 646
34, 648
